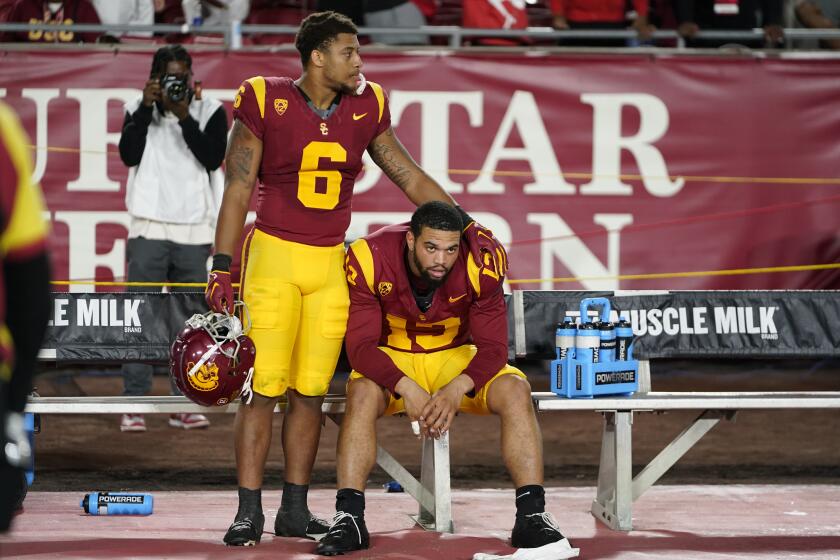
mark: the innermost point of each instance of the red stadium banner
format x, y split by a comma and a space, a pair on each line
592, 169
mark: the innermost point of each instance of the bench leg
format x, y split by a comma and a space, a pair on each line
660, 464
614, 500
433, 491
434, 477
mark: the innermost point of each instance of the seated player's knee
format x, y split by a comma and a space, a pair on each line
509, 392
362, 392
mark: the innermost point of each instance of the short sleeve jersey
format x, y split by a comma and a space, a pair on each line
309, 164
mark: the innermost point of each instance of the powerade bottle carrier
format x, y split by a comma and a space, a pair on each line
117, 503
601, 362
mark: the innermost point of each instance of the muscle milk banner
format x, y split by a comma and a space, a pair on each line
587, 166
700, 324
141, 326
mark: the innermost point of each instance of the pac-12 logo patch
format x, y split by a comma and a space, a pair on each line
280, 105
385, 288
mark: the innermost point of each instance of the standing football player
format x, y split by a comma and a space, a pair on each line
304, 139
24, 306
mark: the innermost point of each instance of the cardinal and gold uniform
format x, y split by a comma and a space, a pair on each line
293, 277
23, 230
388, 336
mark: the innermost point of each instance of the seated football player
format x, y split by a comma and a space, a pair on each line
427, 336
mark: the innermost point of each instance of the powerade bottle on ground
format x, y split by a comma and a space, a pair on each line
587, 343
117, 503
606, 331
623, 340
564, 338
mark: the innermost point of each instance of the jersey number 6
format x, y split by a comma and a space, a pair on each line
309, 174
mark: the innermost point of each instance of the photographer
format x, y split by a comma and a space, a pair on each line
174, 143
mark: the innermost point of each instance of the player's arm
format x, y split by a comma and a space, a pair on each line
390, 155
242, 164
488, 328
364, 330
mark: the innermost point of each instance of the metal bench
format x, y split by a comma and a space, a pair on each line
617, 488
432, 491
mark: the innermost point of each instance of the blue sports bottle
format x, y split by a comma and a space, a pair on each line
564, 338
623, 339
117, 503
587, 343
606, 330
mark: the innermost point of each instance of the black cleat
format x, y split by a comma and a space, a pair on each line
299, 524
245, 532
535, 530
347, 533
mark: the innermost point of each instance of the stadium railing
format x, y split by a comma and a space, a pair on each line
232, 35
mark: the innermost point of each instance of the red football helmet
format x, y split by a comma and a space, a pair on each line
212, 358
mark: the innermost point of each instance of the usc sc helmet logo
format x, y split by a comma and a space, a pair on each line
280, 106
385, 288
206, 378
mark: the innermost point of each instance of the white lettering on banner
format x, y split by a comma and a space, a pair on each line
607, 144
94, 137
41, 97
83, 259
678, 321
105, 313
434, 126
557, 240
59, 313
741, 320
537, 151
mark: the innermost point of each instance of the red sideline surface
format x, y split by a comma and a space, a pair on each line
673, 522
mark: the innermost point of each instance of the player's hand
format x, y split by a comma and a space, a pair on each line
151, 92
219, 291
415, 399
439, 412
486, 250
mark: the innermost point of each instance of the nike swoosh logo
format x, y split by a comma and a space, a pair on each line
454, 299
357, 117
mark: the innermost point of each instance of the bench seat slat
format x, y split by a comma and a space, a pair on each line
693, 401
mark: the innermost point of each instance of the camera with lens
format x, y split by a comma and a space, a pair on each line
175, 87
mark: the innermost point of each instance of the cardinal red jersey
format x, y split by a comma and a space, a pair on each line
468, 307
309, 164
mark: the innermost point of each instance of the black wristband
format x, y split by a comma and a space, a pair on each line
464, 217
222, 262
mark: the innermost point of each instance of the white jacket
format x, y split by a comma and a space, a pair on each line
170, 184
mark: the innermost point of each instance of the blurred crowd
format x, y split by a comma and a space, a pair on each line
643, 17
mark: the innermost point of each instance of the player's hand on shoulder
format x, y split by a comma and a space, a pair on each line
488, 259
